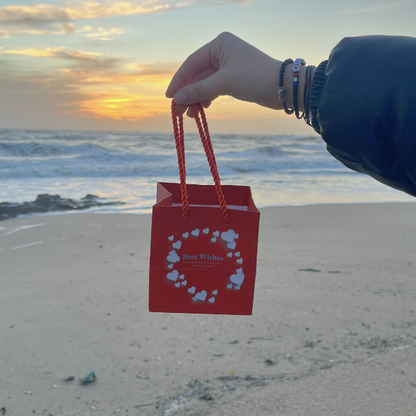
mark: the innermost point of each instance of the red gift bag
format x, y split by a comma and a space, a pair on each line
203, 250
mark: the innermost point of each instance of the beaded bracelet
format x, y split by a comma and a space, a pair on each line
282, 91
296, 67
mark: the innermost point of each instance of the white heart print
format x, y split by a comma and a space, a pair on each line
229, 236
177, 245
202, 295
173, 257
235, 280
173, 275
232, 245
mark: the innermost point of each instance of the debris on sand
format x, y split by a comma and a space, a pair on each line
90, 378
206, 397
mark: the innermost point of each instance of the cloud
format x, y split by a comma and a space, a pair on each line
36, 14
104, 73
52, 19
61, 29
101, 86
41, 14
46, 19
95, 68
59, 53
103, 34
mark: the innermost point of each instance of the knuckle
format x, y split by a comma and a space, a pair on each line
225, 36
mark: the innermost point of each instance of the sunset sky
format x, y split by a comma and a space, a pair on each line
105, 65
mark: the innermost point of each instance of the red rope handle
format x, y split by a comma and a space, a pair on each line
180, 150
209, 152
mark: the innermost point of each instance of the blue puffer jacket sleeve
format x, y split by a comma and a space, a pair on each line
363, 104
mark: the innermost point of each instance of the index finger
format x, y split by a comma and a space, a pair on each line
192, 65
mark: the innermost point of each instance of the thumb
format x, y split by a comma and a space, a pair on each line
207, 89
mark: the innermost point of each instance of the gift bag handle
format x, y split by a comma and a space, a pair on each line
199, 115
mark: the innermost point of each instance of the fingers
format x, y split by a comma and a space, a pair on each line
182, 109
205, 104
203, 90
194, 64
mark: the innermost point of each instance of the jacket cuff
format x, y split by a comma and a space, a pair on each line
318, 84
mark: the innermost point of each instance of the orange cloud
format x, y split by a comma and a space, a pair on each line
82, 68
104, 73
61, 53
93, 9
48, 13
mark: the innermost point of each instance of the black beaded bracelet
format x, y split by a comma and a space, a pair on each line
296, 68
282, 91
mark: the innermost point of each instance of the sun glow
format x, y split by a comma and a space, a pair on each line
121, 105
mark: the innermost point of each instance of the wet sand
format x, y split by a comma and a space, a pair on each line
333, 330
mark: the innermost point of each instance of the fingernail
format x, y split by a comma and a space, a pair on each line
180, 98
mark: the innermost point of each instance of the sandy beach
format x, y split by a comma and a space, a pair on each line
333, 330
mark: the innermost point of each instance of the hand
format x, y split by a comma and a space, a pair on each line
226, 66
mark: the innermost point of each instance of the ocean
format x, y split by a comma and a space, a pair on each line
281, 170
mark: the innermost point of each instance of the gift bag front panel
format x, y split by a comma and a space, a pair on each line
203, 265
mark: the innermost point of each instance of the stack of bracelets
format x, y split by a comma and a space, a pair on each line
306, 93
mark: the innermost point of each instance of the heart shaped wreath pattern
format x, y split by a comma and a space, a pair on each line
235, 280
